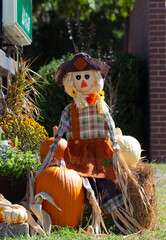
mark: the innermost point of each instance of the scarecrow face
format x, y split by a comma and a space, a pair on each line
85, 82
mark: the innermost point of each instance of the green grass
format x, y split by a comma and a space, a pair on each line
159, 232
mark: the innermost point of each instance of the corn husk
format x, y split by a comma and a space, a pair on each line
43, 216
4, 200
96, 211
35, 225
33, 204
45, 196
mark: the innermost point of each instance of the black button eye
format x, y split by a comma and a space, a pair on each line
87, 76
78, 76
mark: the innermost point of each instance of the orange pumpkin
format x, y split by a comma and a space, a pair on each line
65, 187
59, 153
61, 146
13, 215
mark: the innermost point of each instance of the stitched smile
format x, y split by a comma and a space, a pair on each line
88, 89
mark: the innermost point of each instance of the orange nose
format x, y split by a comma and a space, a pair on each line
83, 84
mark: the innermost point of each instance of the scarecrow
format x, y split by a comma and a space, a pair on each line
92, 149
89, 126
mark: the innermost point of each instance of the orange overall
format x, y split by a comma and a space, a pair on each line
89, 157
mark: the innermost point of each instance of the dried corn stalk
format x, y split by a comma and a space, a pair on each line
34, 204
95, 228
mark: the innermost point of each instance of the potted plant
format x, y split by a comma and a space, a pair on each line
14, 167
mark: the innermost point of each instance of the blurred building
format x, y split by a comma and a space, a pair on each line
147, 38
15, 32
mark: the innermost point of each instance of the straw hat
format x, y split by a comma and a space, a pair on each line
81, 62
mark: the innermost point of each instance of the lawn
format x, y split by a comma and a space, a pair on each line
159, 232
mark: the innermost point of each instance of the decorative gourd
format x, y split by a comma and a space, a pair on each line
66, 188
130, 148
12, 215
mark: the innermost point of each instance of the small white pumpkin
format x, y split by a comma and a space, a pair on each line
13, 215
130, 148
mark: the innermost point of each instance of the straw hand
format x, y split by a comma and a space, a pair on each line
116, 146
53, 147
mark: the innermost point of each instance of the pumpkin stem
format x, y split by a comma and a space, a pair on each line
54, 130
61, 163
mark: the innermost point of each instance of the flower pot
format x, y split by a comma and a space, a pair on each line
13, 190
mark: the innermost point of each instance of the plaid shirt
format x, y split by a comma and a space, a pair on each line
92, 124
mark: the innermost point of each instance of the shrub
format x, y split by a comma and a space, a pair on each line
29, 132
55, 97
132, 96
15, 163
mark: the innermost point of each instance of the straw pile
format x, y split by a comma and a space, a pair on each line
145, 215
138, 192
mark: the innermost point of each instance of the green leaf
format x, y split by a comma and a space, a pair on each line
107, 161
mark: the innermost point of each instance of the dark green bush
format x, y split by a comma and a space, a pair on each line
130, 112
132, 96
55, 99
51, 36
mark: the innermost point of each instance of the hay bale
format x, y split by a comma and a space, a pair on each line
146, 217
